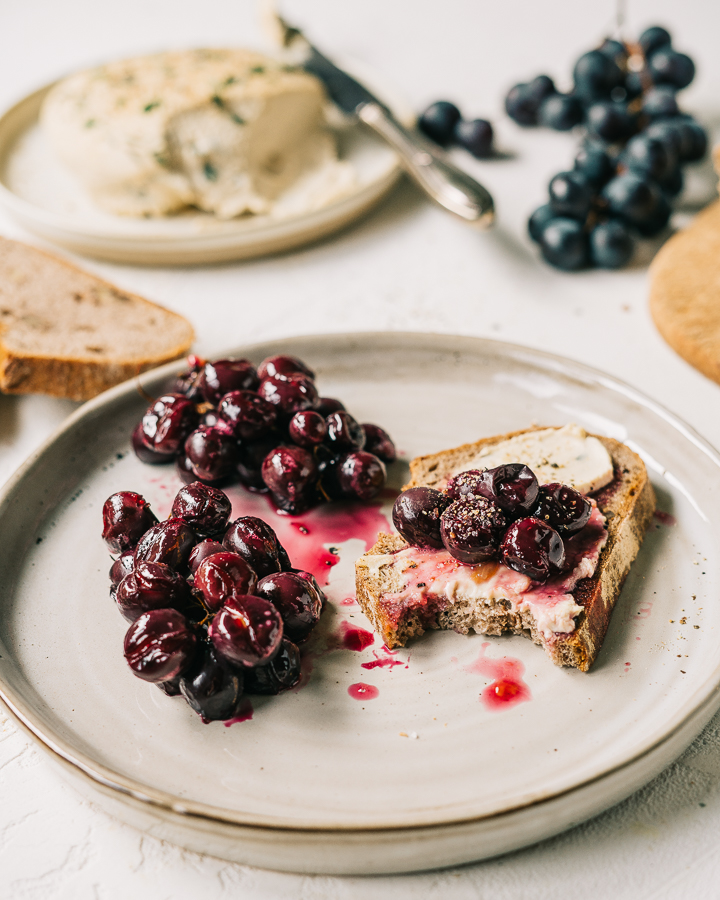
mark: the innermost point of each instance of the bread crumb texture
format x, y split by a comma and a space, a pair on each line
67, 333
627, 503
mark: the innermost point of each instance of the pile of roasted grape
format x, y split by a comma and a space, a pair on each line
217, 610
267, 428
629, 168
443, 123
500, 514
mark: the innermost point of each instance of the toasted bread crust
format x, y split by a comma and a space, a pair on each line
628, 504
67, 333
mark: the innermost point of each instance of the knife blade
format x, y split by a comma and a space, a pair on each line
442, 181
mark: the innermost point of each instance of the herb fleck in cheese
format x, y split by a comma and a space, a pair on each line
227, 131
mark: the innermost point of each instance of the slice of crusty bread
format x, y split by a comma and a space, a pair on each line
628, 503
70, 334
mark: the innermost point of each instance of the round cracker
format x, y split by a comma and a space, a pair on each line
685, 292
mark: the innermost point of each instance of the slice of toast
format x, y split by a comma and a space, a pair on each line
627, 503
67, 333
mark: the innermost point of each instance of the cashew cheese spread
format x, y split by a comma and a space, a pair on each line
566, 455
227, 131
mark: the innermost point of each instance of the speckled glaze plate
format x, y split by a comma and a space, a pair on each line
48, 200
412, 771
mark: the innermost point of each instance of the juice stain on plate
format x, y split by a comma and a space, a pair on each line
382, 662
508, 687
322, 642
387, 661
665, 518
305, 537
244, 715
362, 691
354, 638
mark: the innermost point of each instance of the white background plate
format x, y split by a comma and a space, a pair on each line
318, 781
47, 199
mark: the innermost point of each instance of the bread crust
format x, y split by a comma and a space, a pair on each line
67, 333
628, 504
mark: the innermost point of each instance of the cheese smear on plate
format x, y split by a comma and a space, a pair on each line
227, 131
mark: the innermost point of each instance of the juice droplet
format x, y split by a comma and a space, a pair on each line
508, 687
362, 691
354, 638
382, 662
505, 690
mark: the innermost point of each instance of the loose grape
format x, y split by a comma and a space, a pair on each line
160, 645
533, 548
438, 121
416, 515
126, 518
247, 631
297, 601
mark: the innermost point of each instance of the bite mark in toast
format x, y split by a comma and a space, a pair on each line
627, 504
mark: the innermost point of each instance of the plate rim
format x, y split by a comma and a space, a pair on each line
271, 236
703, 702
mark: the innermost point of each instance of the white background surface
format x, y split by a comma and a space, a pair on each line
406, 266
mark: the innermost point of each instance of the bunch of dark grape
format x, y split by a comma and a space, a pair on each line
629, 168
499, 514
216, 609
444, 125
267, 428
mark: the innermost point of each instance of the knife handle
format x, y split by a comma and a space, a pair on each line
443, 182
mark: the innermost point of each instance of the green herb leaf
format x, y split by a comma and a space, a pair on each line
151, 106
220, 103
210, 171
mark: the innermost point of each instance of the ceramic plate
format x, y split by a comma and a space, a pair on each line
381, 762
47, 200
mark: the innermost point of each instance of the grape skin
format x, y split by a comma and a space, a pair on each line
638, 140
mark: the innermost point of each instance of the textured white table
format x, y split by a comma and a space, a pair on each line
406, 266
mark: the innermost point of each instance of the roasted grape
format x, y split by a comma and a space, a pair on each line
258, 545
224, 375
224, 575
566, 509
296, 599
280, 674
126, 518
533, 548
160, 645
212, 687
471, 529
513, 487
205, 508
247, 631
416, 515
169, 542
151, 586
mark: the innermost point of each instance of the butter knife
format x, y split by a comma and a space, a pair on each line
445, 184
